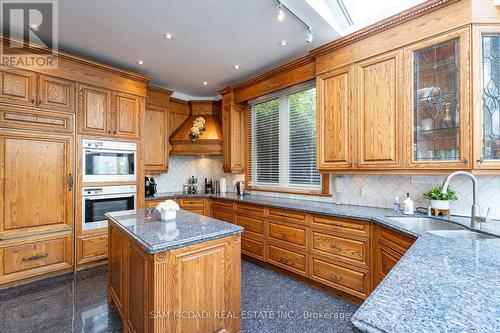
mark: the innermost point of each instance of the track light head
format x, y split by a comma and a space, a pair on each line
280, 14
309, 37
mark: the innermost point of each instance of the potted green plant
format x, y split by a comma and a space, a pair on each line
440, 200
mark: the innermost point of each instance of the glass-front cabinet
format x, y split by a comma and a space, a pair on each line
438, 102
487, 97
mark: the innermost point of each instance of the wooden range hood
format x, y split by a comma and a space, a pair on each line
210, 142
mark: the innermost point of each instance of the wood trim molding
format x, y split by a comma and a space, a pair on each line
395, 20
34, 48
294, 64
178, 101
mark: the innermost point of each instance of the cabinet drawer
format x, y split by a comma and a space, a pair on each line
249, 209
31, 119
199, 211
94, 248
394, 240
252, 248
344, 278
342, 225
287, 233
151, 203
252, 224
224, 206
286, 215
294, 261
34, 256
191, 203
222, 215
351, 250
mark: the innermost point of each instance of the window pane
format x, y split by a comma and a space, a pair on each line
302, 138
266, 141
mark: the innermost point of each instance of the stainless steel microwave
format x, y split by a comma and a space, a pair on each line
109, 161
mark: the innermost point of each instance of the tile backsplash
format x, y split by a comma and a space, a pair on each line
381, 191
183, 167
365, 190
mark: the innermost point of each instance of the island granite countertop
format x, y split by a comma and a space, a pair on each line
440, 284
155, 235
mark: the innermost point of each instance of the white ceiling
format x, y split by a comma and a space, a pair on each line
210, 37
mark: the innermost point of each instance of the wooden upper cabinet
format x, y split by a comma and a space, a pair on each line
335, 119
379, 107
437, 102
94, 110
56, 94
17, 86
155, 139
36, 179
486, 66
126, 115
234, 124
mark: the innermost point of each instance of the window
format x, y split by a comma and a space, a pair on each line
283, 140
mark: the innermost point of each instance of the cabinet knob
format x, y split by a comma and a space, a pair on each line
466, 161
480, 160
33, 101
336, 277
284, 258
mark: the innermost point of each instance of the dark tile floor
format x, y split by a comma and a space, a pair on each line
271, 302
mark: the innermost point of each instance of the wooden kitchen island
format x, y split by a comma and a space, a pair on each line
179, 276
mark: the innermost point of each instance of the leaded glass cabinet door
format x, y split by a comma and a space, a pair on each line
438, 95
487, 97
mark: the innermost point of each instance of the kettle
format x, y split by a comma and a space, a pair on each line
240, 187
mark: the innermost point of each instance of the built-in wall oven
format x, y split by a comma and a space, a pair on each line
99, 200
108, 161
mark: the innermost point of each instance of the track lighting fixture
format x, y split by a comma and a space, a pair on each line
280, 14
309, 37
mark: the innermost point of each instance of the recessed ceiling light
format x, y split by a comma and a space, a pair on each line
236, 66
168, 35
283, 43
140, 61
205, 83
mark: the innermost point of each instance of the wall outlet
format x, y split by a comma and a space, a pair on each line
339, 184
363, 190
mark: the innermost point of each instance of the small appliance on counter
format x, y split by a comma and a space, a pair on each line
192, 185
150, 186
240, 188
209, 187
222, 185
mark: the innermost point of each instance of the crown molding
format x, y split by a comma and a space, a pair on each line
388, 23
299, 62
35, 48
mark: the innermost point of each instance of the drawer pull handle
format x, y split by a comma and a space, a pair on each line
336, 247
285, 235
284, 258
389, 268
336, 278
36, 257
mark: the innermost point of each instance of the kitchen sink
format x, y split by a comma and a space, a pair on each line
425, 223
460, 234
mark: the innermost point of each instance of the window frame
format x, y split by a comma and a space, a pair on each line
283, 109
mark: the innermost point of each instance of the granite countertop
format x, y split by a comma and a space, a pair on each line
155, 235
440, 284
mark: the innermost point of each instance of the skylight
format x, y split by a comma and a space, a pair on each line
347, 16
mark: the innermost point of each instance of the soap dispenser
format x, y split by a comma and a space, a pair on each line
408, 206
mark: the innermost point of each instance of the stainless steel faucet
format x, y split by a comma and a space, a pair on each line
474, 218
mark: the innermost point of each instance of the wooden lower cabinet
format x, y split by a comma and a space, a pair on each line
388, 247
25, 258
288, 259
354, 281
149, 289
92, 248
253, 248
194, 205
